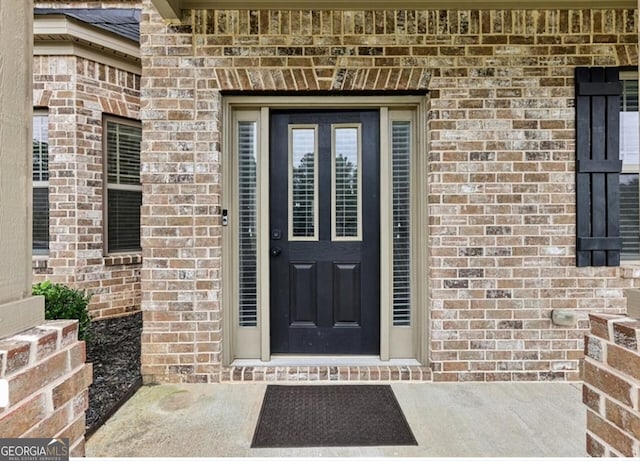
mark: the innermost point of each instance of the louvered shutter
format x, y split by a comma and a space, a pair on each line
598, 167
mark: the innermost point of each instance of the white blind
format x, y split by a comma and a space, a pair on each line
124, 191
247, 162
40, 148
303, 182
401, 160
347, 210
123, 145
40, 159
629, 153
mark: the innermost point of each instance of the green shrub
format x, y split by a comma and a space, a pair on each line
62, 302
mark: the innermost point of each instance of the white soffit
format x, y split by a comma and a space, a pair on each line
61, 35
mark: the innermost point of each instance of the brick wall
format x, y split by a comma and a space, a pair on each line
48, 384
611, 389
77, 93
500, 175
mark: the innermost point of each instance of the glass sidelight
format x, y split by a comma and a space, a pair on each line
401, 179
247, 241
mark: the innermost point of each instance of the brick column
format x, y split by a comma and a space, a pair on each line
611, 389
48, 384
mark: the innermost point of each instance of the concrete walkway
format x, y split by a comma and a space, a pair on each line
447, 419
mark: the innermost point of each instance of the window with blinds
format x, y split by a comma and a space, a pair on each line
303, 181
247, 239
40, 159
346, 183
401, 179
124, 190
630, 155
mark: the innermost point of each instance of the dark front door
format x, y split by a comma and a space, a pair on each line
325, 227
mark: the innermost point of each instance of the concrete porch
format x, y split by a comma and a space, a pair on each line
447, 419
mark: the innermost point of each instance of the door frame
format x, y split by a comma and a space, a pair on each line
395, 341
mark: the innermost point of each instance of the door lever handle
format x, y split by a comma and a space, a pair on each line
275, 251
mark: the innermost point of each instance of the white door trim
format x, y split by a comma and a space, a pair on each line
395, 342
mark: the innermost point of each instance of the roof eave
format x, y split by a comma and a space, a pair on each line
172, 9
60, 28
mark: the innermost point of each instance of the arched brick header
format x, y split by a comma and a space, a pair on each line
41, 98
342, 78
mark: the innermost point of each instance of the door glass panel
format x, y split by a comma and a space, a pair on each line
347, 201
303, 183
401, 160
247, 223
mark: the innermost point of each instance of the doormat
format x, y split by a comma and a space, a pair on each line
331, 416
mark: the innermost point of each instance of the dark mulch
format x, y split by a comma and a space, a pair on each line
113, 348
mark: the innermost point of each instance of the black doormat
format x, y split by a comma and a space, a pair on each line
331, 416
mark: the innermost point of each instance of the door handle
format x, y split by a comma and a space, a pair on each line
275, 251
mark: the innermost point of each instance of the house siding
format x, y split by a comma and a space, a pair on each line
500, 181
76, 94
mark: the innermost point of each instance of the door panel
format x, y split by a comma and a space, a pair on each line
324, 227
304, 308
346, 294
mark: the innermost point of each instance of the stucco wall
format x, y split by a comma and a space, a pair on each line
15, 135
500, 179
18, 309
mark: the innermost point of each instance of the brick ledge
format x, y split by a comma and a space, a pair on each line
325, 374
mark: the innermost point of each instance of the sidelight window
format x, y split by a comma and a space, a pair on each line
401, 178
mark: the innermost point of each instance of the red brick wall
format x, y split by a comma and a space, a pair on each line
48, 384
500, 181
77, 93
611, 389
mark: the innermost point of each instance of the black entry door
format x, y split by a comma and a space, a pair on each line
325, 227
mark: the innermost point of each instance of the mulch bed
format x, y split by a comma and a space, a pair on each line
113, 348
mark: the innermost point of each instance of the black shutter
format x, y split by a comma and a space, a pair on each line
598, 167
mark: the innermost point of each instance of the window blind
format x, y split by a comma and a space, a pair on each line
247, 251
629, 152
401, 164
124, 191
40, 161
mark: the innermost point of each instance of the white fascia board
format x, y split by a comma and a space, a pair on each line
76, 31
169, 9
81, 50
